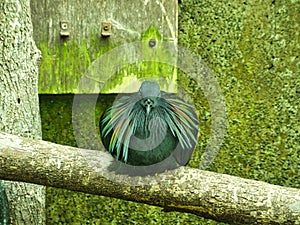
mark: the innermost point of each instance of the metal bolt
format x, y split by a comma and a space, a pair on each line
64, 26
152, 43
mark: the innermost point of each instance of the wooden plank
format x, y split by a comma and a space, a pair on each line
66, 59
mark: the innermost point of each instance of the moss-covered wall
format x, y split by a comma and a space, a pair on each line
253, 49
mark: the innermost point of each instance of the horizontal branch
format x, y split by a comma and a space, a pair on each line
211, 195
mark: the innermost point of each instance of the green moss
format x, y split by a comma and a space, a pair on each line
63, 64
151, 33
252, 49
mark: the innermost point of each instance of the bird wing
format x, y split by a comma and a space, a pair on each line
182, 119
118, 121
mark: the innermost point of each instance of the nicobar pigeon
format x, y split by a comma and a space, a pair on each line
149, 131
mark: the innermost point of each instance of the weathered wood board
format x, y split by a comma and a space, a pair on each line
71, 36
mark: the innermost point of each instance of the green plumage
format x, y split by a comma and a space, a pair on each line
150, 128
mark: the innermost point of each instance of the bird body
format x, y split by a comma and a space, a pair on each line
150, 126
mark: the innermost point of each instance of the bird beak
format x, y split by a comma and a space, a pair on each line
147, 109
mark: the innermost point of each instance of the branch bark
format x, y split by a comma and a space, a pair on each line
211, 195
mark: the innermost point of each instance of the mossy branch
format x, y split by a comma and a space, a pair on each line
211, 195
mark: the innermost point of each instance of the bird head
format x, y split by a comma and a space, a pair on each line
149, 91
149, 88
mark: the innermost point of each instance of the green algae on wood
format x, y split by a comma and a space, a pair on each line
66, 59
62, 66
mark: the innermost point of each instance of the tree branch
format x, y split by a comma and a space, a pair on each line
211, 195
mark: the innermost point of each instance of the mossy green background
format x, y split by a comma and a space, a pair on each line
253, 49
